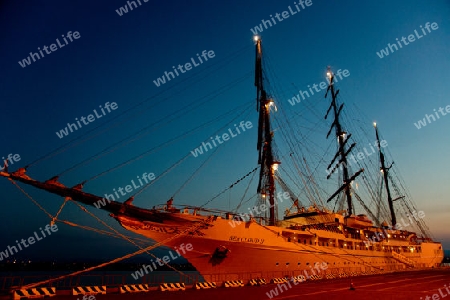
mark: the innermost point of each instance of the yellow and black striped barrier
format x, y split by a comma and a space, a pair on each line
233, 283
205, 285
278, 280
89, 290
134, 288
257, 282
315, 277
299, 278
34, 293
172, 287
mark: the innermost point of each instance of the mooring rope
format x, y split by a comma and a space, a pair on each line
141, 251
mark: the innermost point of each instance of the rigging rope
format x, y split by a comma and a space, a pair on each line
31, 198
66, 199
146, 130
231, 186
155, 97
120, 258
123, 236
181, 160
311, 198
141, 251
245, 193
161, 176
186, 133
62, 221
195, 172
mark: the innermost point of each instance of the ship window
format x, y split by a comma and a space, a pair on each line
307, 263
287, 264
276, 264
298, 264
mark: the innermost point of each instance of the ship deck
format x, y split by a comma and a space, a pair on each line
399, 285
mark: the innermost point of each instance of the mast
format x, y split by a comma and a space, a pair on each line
342, 141
266, 185
385, 172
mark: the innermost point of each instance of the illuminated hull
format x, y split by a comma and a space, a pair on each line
225, 250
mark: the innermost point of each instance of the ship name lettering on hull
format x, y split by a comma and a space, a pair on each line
246, 240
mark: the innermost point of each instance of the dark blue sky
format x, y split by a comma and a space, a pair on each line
117, 58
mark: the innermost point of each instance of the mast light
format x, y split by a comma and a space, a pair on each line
271, 103
256, 38
329, 72
374, 124
275, 165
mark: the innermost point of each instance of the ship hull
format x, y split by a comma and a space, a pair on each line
224, 249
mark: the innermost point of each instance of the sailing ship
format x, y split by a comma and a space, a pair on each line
232, 245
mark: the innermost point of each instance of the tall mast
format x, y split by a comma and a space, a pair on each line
342, 141
385, 171
266, 185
